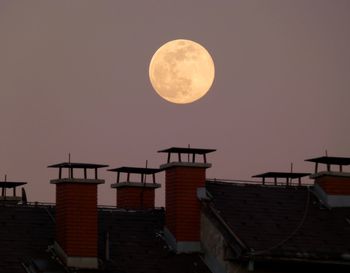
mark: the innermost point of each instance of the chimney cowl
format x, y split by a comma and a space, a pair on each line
288, 176
5, 198
185, 182
135, 194
76, 239
331, 186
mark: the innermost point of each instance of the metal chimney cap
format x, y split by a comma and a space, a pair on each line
332, 160
77, 165
282, 175
9, 184
135, 170
187, 150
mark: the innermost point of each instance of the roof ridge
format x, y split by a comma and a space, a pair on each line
253, 183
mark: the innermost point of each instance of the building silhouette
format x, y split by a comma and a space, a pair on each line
278, 224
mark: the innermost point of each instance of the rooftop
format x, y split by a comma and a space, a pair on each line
135, 239
282, 223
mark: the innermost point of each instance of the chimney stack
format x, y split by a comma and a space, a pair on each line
135, 194
5, 198
76, 239
332, 186
182, 214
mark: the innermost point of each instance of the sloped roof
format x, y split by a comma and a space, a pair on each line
282, 222
135, 239
137, 244
24, 232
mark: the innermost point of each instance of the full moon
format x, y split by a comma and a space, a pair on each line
181, 71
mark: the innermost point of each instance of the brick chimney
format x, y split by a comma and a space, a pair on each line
332, 185
136, 194
76, 239
182, 214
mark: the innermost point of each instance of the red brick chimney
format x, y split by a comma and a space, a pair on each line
332, 186
76, 239
135, 194
182, 214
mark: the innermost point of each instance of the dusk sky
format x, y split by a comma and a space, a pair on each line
74, 79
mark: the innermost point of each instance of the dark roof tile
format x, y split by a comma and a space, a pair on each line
282, 221
136, 241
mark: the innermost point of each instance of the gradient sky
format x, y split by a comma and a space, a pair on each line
74, 78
